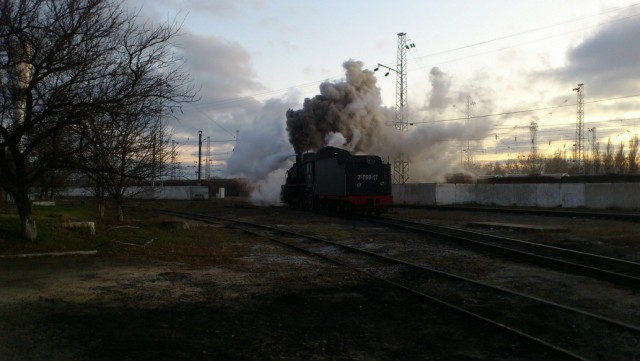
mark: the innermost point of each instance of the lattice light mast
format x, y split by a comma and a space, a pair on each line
470, 103
401, 122
579, 147
533, 129
400, 164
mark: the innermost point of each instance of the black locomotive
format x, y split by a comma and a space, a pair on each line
334, 179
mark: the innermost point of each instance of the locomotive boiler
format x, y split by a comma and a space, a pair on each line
334, 179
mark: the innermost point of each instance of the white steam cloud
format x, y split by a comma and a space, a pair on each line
263, 153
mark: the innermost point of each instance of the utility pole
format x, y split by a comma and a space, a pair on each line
173, 160
400, 164
207, 164
578, 156
199, 155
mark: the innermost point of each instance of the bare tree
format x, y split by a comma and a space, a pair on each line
63, 62
121, 150
632, 158
607, 158
619, 160
556, 164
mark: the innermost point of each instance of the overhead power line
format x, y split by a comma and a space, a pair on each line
242, 100
519, 111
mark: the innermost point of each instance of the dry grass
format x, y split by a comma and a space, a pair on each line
144, 231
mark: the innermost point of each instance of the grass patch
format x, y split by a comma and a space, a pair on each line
143, 233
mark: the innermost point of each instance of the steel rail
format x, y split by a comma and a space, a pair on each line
594, 323
618, 271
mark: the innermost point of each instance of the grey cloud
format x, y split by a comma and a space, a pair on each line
223, 71
609, 61
224, 68
220, 9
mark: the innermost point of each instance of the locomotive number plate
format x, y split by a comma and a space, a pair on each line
367, 177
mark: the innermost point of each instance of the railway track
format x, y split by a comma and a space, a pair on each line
563, 332
614, 270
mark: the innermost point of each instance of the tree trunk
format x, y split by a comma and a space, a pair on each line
100, 201
119, 201
120, 212
27, 222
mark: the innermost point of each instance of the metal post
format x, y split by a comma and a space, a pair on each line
199, 155
579, 148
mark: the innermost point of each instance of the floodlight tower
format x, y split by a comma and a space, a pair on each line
401, 122
400, 164
579, 148
533, 129
470, 103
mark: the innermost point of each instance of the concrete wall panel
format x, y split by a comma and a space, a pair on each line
445, 194
504, 195
465, 193
484, 194
626, 195
494, 194
414, 194
548, 195
524, 195
598, 195
572, 195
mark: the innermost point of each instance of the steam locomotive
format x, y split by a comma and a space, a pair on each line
334, 179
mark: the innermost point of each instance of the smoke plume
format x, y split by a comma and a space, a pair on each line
349, 114
351, 108
440, 85
263, 152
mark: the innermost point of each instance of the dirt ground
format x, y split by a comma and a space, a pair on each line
234, 297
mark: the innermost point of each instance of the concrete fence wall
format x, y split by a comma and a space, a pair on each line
173, 192
544, 195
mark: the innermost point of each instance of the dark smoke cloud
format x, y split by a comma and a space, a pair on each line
349, 114
351, 108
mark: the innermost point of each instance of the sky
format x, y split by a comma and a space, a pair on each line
479, 75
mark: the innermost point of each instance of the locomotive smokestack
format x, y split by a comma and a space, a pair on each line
298, 157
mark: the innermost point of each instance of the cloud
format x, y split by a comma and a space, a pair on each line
220, 9
224, 68
223, 72
607, 62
